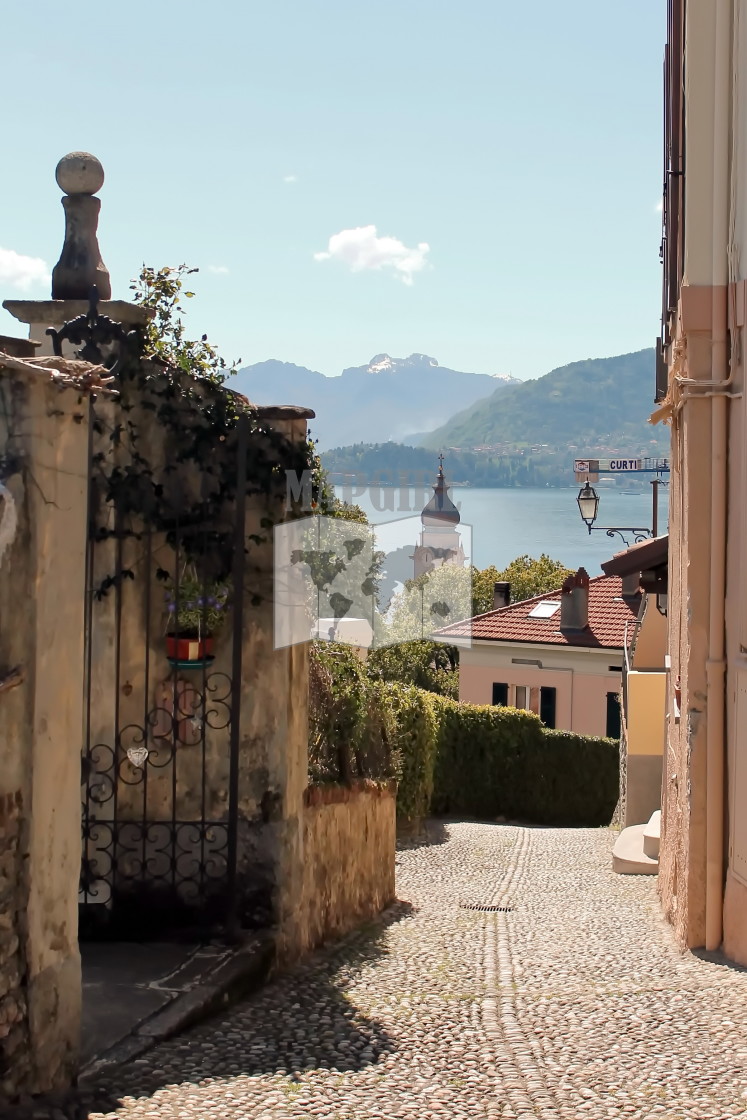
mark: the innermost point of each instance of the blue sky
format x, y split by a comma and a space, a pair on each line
521, 143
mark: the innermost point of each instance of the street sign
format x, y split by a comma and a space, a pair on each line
645, 465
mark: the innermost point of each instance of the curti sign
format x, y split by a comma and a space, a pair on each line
621, 466
624, 465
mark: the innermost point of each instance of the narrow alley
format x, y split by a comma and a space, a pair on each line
571, 1001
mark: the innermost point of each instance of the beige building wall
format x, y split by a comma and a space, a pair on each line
651, 643
645, 706
703, 862
645, 700
582, 678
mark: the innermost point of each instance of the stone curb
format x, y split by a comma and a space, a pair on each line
241, 974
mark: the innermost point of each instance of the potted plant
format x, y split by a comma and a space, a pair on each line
194, 617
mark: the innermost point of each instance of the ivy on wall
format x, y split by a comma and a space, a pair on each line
165, 454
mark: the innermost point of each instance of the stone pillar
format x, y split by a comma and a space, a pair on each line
80, 267
275, 735
43, 524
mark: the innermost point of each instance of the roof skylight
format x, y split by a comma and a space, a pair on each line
546, 609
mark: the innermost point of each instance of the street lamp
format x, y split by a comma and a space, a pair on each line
588, 505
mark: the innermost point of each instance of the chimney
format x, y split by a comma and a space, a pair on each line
574, 602
630, 585
501, 595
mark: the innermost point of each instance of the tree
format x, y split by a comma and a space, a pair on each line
430, 602
528, 577
482, 588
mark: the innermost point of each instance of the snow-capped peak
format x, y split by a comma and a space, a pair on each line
379, 363
382, 363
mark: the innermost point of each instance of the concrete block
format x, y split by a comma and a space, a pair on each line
652, 835
628, 856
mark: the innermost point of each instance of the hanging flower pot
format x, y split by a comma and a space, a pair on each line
195, 611
189, 647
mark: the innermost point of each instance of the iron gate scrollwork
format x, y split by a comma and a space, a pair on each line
159, 774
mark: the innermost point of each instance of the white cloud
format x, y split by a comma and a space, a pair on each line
17, 271
659, 206
361, 250
218, 269
290, 178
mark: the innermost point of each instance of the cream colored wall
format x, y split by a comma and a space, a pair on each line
651, 644
645, 716
700, 93
646, 694
44, 428
581, 677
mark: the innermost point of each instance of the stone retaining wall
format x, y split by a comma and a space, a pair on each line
349, 840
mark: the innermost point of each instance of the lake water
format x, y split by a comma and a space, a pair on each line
500, 525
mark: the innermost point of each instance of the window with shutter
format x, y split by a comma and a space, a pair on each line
548, 699
500, 694
613, 715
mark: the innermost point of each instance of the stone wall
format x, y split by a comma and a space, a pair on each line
43, 452
349, 837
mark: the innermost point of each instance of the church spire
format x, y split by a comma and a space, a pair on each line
440, 511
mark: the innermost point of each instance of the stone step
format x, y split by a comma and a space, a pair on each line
652, 835
628, 856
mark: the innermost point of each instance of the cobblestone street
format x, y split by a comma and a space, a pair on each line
572, 1002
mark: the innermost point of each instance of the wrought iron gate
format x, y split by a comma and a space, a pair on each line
160, 760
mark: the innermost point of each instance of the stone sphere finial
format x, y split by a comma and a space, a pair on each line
80, 266
79, 173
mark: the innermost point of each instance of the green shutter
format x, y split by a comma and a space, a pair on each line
500, 694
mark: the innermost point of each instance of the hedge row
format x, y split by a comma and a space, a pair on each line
493, 761
450, 757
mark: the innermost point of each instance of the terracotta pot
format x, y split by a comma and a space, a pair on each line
179, 648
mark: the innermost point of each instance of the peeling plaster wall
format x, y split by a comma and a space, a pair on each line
43, 442
349, 838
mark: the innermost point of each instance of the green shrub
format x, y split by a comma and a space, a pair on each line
352, 730
415, 747
494, 761
450, 757
428, 665
364, 727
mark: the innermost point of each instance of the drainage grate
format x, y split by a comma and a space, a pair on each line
485, 908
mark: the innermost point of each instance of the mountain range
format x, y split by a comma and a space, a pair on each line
388, 399
601, 404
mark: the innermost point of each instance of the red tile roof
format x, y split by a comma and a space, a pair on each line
609, 614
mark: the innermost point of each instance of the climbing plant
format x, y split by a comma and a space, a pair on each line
165, 454
162, 291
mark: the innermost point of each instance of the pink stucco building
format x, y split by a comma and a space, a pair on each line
559, 655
